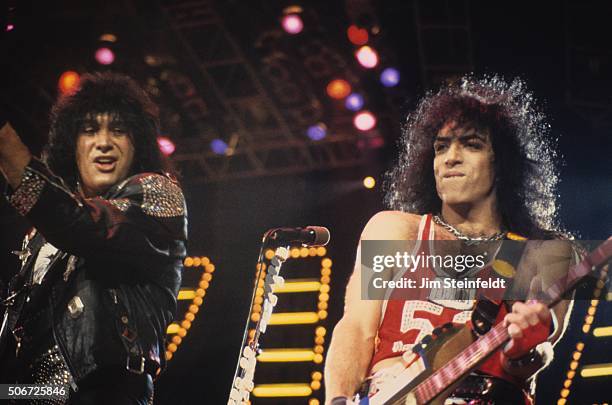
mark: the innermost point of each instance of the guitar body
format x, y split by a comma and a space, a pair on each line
443, 349
446, 343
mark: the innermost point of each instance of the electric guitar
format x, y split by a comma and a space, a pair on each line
441, 363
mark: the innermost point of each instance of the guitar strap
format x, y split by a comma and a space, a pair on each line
505, 265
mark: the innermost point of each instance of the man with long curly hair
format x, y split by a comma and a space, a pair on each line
476, 166
101, 267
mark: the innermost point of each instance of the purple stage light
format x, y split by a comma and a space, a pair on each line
354, 102
390, 77
317, 132
218, 146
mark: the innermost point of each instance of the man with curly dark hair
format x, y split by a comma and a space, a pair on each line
475, 166
101, 268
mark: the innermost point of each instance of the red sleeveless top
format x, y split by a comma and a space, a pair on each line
405, 322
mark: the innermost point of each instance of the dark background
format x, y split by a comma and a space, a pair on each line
222, 68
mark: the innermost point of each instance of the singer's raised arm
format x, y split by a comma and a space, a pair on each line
14, 155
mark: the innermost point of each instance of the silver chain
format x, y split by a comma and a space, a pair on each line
470, 240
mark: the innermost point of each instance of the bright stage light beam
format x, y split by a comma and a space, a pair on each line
69, 82
285, 355
364, 121
367, 57
292, 24
105, 56
282, 390
357, 36
166, 146
338, 89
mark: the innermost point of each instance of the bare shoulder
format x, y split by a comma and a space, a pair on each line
550, 259
557, 248
392, 225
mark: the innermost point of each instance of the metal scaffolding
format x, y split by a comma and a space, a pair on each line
225, 96
444, 40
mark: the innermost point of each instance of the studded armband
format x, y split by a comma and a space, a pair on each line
28, 192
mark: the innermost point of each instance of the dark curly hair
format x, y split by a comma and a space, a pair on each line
111, 93
525, 175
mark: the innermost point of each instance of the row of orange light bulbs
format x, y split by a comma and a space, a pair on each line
586, 328
320, 331
197, 301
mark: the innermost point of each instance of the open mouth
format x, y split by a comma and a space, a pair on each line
105, 163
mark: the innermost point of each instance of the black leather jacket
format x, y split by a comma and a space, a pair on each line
112, 286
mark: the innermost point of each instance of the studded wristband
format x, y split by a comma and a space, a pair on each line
532, 358
28, 192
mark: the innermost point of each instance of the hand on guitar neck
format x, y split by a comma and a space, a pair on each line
528, 326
